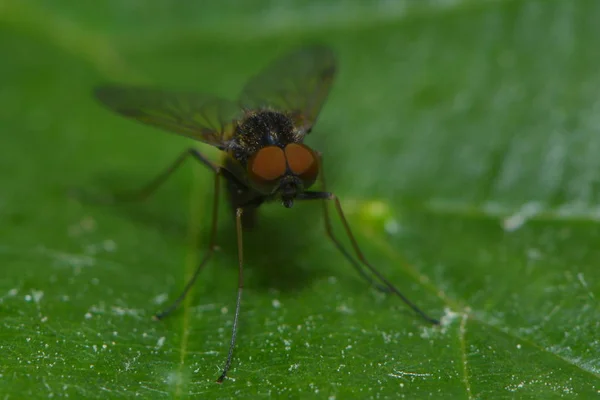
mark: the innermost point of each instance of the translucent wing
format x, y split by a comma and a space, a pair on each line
297, 83
201, 117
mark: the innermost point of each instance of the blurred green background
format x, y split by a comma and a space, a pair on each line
463, 138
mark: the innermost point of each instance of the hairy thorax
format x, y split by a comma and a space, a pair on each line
259, 129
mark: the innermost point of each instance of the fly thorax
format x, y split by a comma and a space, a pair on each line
262, 128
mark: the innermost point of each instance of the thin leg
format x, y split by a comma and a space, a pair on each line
150, 187
361, 257
238, 227
155, 183
357, 266
207, 255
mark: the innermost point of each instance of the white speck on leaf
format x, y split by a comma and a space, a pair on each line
387, 338
449, 316
581, 279
160, 298
344, 309
518, 219
37, 295
403, 374
120, 311
447, 319
294, 367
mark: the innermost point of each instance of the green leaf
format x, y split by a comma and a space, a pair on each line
462, 138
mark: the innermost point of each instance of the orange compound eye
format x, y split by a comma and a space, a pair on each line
303, 162
266, 167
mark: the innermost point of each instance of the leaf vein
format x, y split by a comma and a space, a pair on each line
462, 331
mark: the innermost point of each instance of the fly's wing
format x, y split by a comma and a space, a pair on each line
200, 117
297, 84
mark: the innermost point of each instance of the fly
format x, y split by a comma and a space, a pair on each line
264, 155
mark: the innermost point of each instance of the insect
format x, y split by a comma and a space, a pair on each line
261, 137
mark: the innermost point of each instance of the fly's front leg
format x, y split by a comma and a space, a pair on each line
332, 197
149, 188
